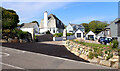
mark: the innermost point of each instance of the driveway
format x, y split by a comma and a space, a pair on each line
26, 61
42, 56
44, 48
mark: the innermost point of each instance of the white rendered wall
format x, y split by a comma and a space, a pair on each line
90, 33
36, 28
69, 28
79, 31
30, 30
45, 19
43, 30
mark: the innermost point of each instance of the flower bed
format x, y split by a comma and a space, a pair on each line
94, 53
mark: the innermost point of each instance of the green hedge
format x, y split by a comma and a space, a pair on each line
69, 34
14, 33
61, 34
58, 35
92, 44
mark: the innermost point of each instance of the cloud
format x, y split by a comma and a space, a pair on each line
32, 10
90, 18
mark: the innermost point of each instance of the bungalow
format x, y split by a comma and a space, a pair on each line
90, 36
51, 23
72, 28
31, 28
79, 34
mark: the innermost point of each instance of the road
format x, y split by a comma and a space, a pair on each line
14, 58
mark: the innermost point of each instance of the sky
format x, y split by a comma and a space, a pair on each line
67, 12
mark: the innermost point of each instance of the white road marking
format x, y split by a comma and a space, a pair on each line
11, 66
61, 58
18, 51
5, 54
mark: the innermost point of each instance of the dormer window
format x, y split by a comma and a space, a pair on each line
57, 21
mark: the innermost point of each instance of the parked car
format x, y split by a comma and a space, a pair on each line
105, 40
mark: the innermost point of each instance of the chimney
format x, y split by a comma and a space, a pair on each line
45, 19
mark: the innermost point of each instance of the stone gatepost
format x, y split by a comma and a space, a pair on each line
64, 35
33, 34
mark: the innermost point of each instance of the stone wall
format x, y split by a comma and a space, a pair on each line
83, 52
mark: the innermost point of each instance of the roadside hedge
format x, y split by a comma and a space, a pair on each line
61, 34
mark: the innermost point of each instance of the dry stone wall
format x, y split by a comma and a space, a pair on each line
83, 52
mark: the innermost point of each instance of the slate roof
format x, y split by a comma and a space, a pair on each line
76, 25
28, 25
52, 16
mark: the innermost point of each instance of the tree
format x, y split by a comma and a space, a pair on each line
92, 26
100, 26
86, 27
10, 19
97, 26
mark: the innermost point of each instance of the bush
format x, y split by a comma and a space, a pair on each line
91, 55
106, 52
69, 34
109, 56
81, 41
21, 34
115, 44
96, 55
58, 35
7, 31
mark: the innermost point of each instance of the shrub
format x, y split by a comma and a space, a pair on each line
81, 41
21, 34
58, 35
68, 34
109, 56
106, 52
115, 44
96, 55
91, 55
7, 31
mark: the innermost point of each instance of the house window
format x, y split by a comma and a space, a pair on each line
78, 34
53, 31
57, 21
108, 32
70, 31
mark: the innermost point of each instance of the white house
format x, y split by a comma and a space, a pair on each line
90, 36
51, 23
72, 28
79, 34
31, 28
